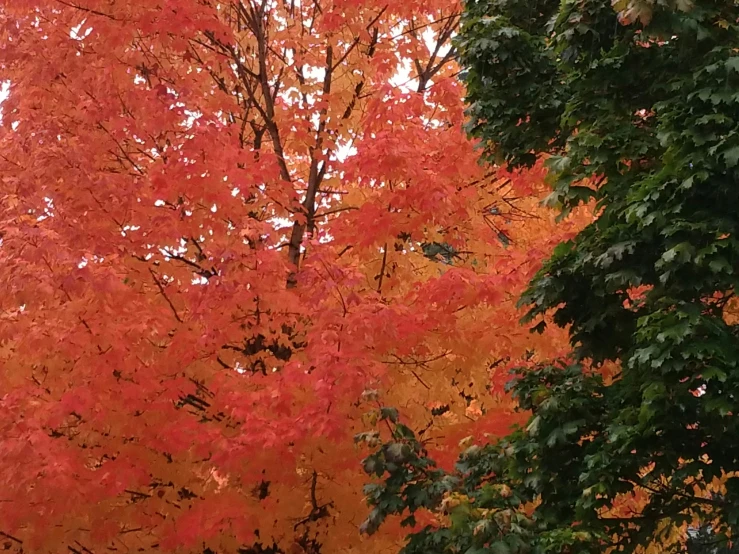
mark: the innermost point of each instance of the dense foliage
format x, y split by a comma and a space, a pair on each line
221, 224
632, 438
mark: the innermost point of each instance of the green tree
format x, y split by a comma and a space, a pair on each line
635, 106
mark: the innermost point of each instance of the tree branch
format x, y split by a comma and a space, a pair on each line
164, 294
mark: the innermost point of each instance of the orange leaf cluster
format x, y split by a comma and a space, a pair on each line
221, 224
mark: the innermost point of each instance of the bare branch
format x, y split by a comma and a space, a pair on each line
164, 294
88, 10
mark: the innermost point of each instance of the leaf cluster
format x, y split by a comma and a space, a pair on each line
635, 108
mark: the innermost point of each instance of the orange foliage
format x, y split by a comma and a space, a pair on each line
214, 218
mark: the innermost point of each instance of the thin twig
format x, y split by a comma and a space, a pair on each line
88, 10
382, 269
11, 537
335, 211
164, 294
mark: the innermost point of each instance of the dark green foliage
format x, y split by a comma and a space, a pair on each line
440, 252
641, 117
411, 480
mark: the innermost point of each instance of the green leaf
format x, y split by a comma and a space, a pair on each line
389, 413
731, 156
733, 64
499, 547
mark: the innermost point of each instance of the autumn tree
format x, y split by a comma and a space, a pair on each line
222, 225
634, 107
